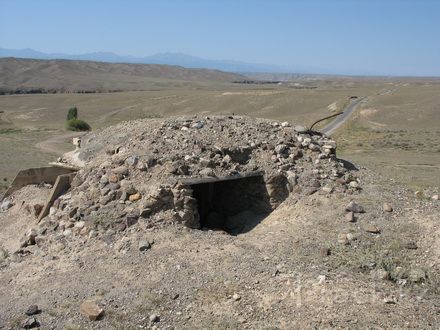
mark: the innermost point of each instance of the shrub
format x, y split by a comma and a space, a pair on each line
72, 113
77, 125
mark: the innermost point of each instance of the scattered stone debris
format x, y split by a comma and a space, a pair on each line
6, 205
390, 300
154, 318
410, 245
369, 264
434, 197
236, 297
324, 252
354, 207
417, 275
91, 310
380, 274
343, 239
144, 245
349, 216
387, 207
29, 238
30, 323
32, 310
369, 228
321, 279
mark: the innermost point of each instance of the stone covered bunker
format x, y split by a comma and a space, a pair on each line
222, 172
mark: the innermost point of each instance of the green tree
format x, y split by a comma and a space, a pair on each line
72, 113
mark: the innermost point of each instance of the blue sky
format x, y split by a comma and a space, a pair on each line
396, 37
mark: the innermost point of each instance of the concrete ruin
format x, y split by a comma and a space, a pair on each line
38, 175
59, 176
60, 187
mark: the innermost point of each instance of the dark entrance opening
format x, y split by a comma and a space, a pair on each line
233, 204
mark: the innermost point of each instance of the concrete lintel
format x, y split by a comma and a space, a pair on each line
66, 166
194, 181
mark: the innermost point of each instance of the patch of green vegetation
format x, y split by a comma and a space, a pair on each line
392, 259
72, 327
10, 130
77, 125
4, 254
150, 115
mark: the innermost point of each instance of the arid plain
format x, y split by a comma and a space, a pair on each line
395, 129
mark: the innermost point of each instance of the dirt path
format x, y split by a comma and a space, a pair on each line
105, 116
56, 144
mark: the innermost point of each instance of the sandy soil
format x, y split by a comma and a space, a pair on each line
273, 277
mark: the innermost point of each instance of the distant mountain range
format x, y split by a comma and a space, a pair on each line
184, 60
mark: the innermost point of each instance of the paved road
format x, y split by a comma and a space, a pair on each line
339, 120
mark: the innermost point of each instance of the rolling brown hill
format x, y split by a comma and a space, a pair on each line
43, 76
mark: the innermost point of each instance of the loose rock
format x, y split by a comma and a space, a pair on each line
91, 310
387, 207
410, 245
417, 275
343, 239
154, 318
236, 297
380, 274
6, 205
369, 228
390, 300
134, 197
354, 207
132, 161
349, 216
32, 310
144, 245
324, 252
30, 323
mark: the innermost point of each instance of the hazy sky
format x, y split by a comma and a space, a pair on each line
341, 36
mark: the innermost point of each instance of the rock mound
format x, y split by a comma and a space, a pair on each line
194, 171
